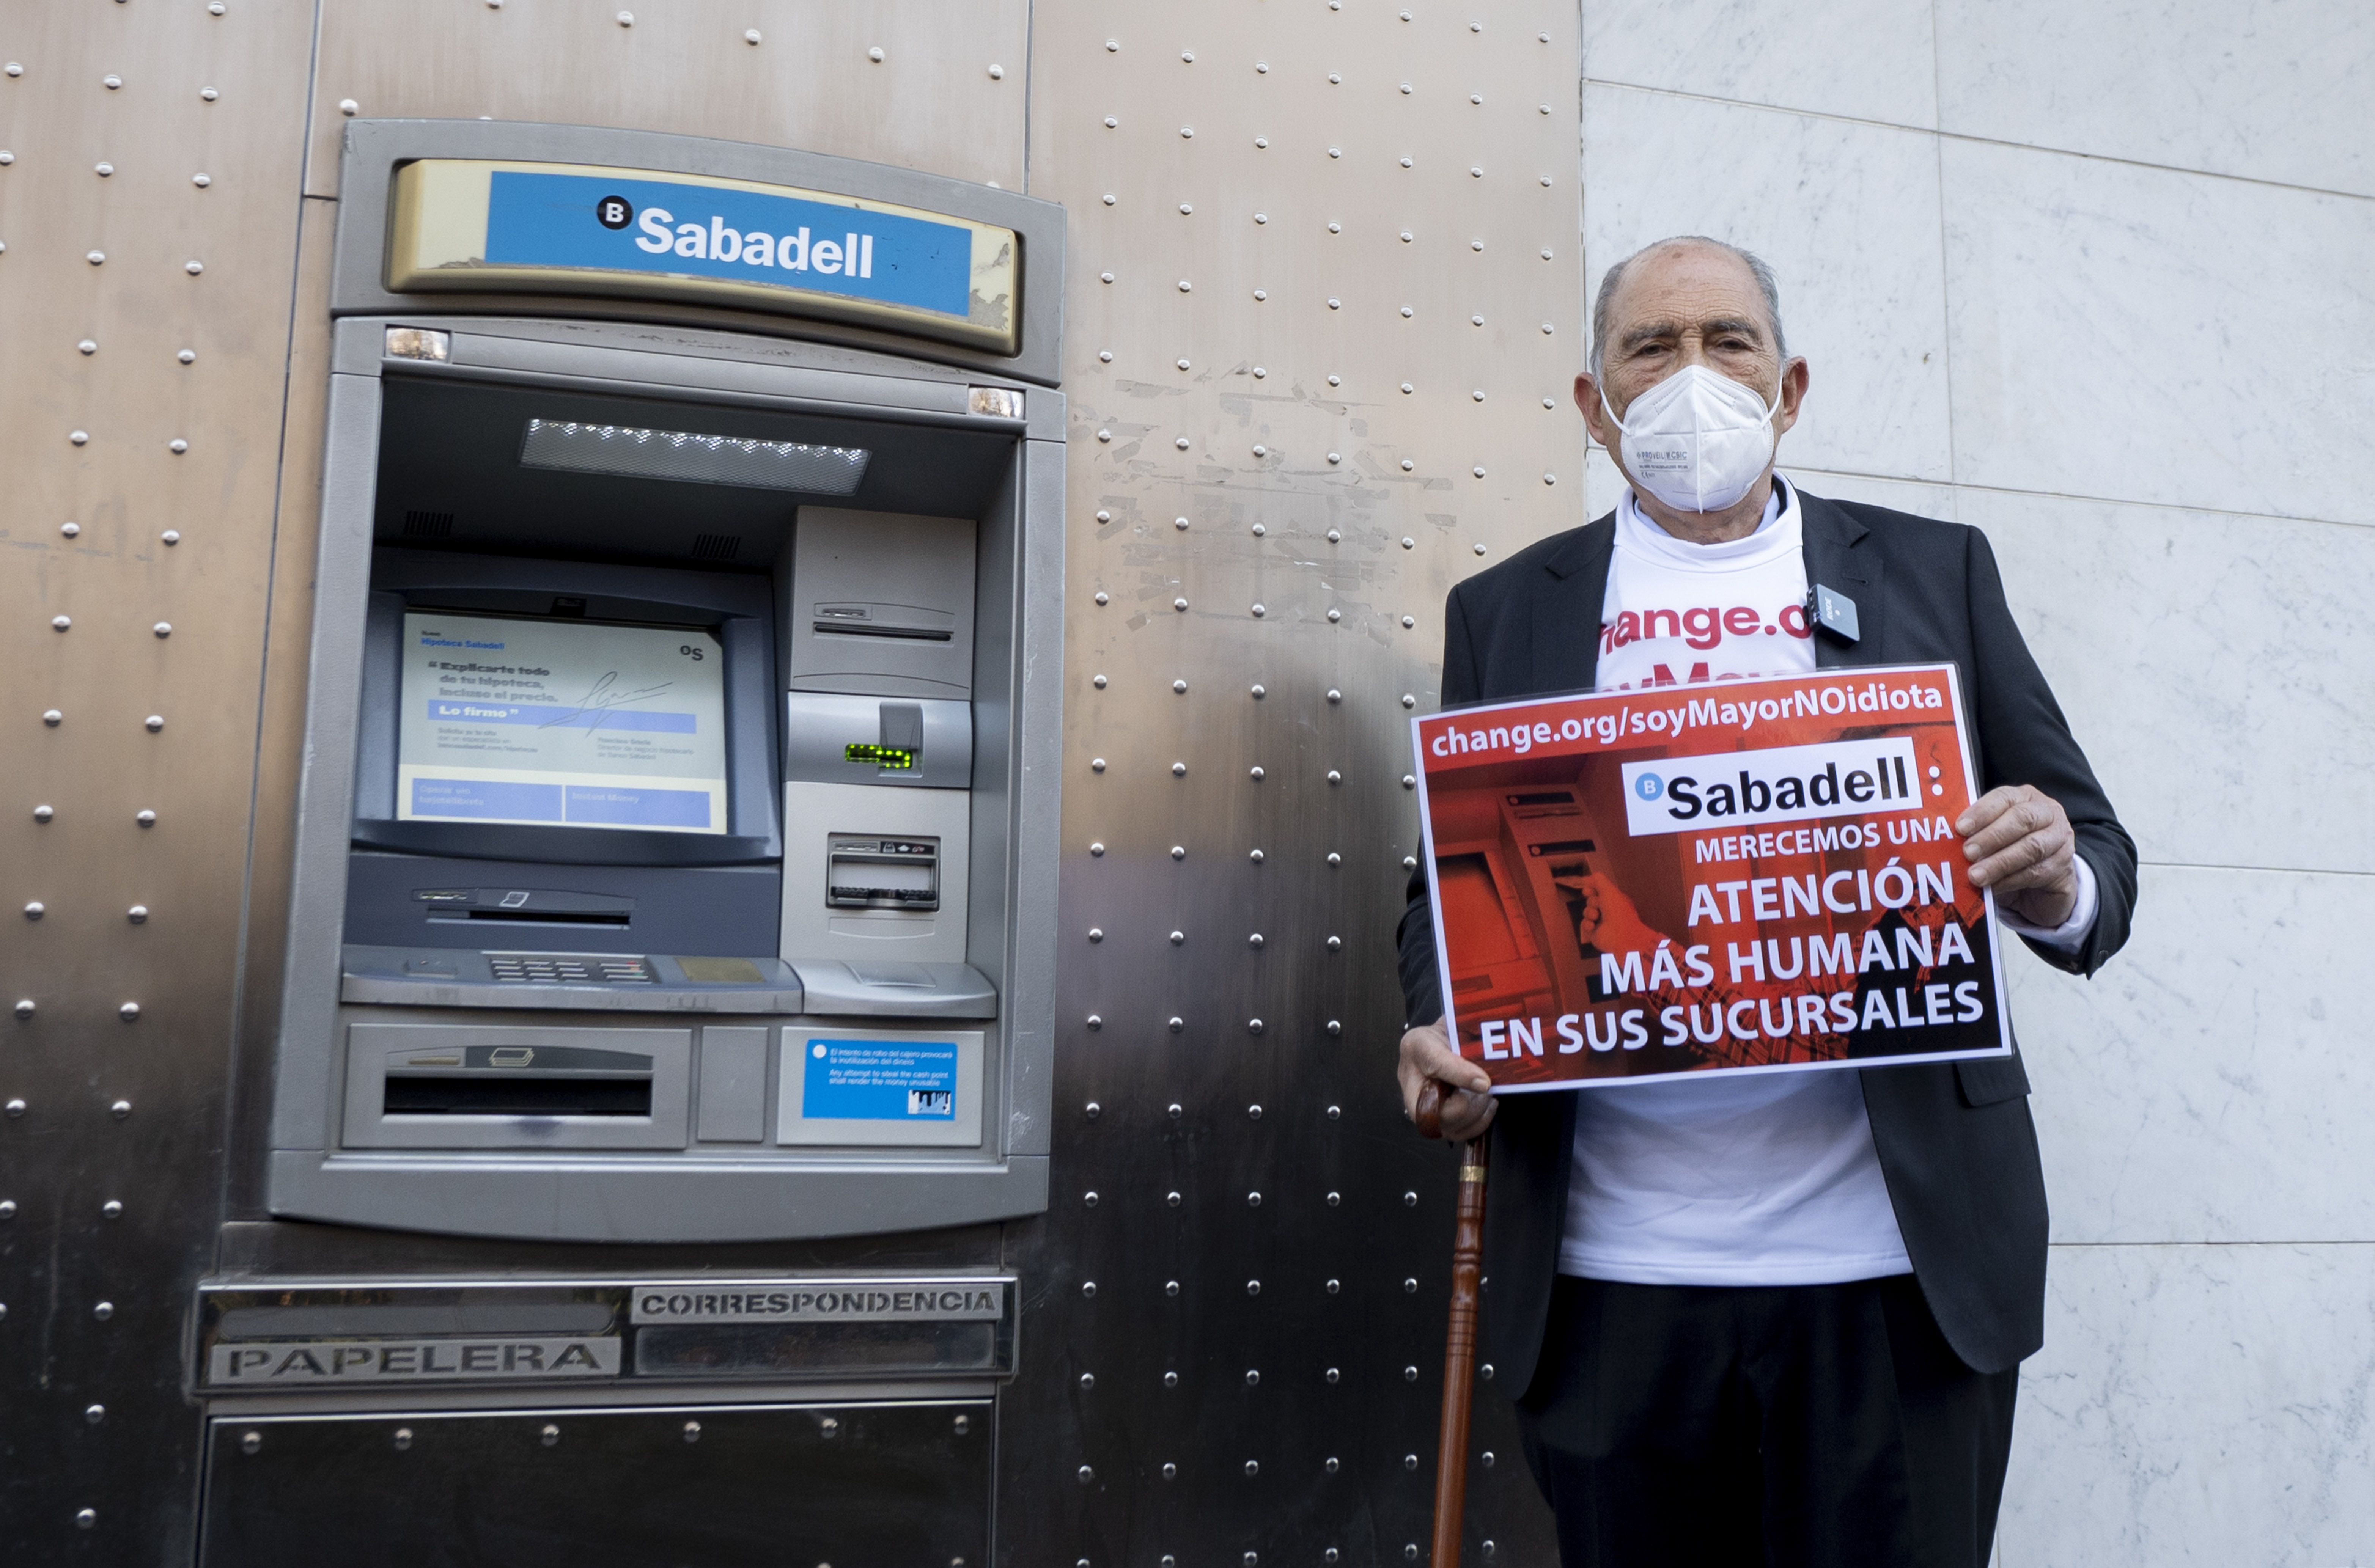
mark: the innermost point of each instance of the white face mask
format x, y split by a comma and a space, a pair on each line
1697, 441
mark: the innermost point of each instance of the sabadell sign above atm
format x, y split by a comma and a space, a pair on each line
476, 225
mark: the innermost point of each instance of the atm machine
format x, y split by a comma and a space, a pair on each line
674, 871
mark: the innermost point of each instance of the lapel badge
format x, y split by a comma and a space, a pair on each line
1834, 611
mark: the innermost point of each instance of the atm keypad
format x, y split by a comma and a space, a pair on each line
582, 969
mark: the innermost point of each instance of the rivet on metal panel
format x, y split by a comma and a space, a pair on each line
251, 1442
172, 535
154, 721
208, 94
217, 8
1111, 123
1178, 1024
86, 1517
1088, 1380
43, 813
1170, 1472
1087, 1475
1097, 849
146, 819
1087, 1288
1335, 944
1180, 605
1101, 596
1093, 1109
1410, 1287
1257, 857
103, 170
121, 1109
26, 1006
1409, 782
1186, 209
1550, 478
1486, 1371
8, 1209
692, 1429
1407, 466
1095, 1021
94, 1413
1097, 934
1173, 1110
70, 529
16, 1107
1335, 1200
964, 1424
15, 69
1410, 862
194, 266
1178, 938
1335, 152
349, 108
1096, 764
1172, 1198
163, 628
1261, 141
102, 1311
1253, 1467
626, 19
128, 1013
1335, 1026
1171, 1288
996, 73
1330, 1555
1335, 1112
551, 1434
61, 622
1179, 770
1188, 56
36, 909
138, 913
1408, 622
1406, 312
1088, 1200
1480, 548
403, 1438
1334, 777
1409, 701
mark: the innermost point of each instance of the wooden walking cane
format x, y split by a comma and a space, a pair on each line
1460, 1335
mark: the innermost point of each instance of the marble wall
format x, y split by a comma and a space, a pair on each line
2095, 279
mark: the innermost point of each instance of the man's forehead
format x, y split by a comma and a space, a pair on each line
1687, 282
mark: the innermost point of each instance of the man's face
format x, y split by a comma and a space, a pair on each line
1688, 305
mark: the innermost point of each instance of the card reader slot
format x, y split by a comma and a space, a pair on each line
534, 916
494, 1094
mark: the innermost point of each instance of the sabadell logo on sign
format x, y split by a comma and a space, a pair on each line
850, 255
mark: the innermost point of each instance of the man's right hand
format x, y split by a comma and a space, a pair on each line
1467, 1104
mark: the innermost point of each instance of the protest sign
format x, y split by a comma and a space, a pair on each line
1756, 877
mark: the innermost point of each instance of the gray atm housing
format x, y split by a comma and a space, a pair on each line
612, 1060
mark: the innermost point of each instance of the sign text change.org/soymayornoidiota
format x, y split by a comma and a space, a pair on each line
1762, 877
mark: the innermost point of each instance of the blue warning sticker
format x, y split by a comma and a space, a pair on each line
879, 1080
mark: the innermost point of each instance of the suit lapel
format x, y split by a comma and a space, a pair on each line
1566, 614
1833, 558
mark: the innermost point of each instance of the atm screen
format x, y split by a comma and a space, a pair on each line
561, 722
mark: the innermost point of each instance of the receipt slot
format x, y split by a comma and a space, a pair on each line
677, 831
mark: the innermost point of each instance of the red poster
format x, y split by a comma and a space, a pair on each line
1756, 877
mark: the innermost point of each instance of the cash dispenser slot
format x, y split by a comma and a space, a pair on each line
863, 872
524, 906
518, 1081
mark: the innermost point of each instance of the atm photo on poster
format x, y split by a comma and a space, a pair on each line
1758, 877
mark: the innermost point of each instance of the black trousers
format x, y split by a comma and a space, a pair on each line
1809, 1426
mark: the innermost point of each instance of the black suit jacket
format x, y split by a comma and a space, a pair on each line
1954, 1139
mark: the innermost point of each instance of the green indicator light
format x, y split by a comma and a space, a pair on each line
880, 756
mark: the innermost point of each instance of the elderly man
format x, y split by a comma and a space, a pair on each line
1770, 1319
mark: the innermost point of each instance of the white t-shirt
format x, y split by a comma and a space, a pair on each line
1763, 1180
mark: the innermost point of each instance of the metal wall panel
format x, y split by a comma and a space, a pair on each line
812, 78
150, 208
1323, 315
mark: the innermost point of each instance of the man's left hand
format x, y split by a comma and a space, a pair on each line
2018, 841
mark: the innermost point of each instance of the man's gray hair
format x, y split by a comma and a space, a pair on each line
1756, 268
